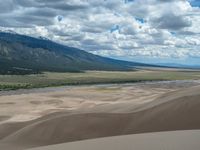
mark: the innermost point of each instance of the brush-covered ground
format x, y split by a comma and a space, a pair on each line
46, 79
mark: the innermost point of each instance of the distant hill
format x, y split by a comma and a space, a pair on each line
176, 65
20, 54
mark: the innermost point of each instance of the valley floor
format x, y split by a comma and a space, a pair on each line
52, 79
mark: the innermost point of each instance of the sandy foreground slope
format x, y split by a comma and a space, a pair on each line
173, 140
102, 112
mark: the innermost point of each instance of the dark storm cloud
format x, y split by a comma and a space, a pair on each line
25, 13
25, 3
6, 6
172, 22
166, 1
58, 4
35, 20
26, 21
42, 12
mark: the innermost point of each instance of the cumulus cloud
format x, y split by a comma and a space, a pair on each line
153, 28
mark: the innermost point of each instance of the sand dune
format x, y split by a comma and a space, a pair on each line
173, 111
174, 140
29, 106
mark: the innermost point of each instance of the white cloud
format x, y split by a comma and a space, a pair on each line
155, 28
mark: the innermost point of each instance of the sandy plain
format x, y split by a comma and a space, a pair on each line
34, 118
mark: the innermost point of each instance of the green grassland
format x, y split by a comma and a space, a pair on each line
46, 79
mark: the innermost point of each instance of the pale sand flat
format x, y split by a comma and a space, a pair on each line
174, 140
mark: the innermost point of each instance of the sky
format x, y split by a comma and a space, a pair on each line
150, 31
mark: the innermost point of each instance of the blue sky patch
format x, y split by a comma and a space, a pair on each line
173, 33
127, 1
195, 3
114, 28
141, 20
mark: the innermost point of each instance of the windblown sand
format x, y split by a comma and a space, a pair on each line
174, 140
78, 113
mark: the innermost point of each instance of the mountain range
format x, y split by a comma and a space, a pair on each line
21, 54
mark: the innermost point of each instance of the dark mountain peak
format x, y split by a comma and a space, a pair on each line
43, 38
41, 54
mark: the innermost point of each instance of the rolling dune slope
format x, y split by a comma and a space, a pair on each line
173, 140
172, 112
